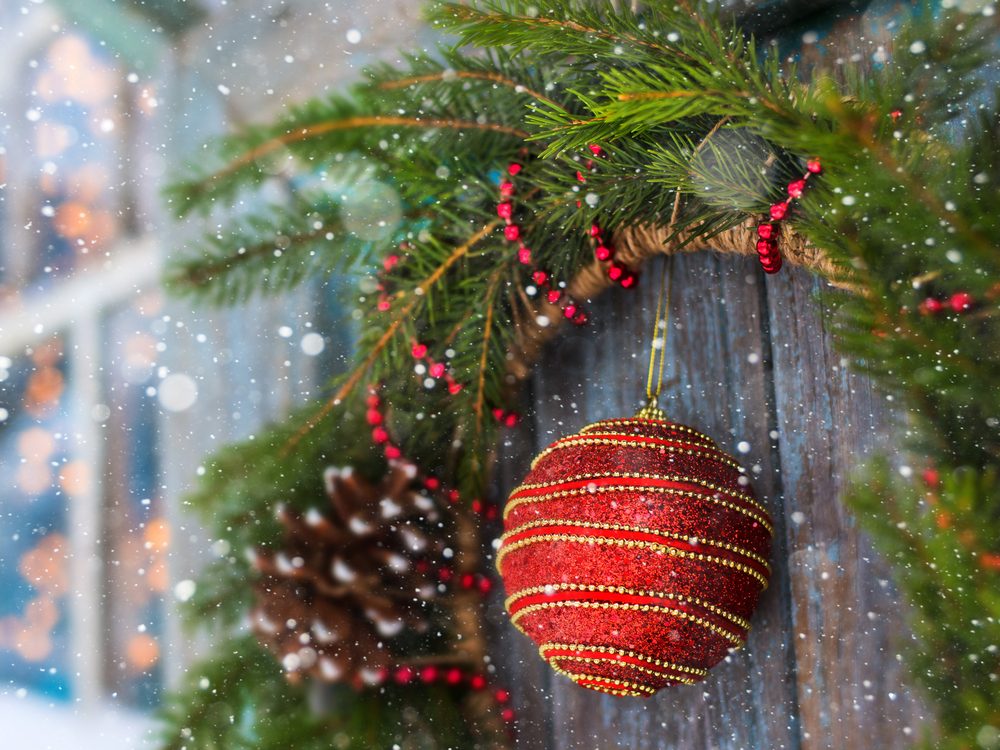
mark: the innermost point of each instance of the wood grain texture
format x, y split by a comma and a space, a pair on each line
748, 361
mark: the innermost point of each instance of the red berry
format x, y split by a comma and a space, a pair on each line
507, 715
570, 310
514, 168
580, 318
373, 400
813, 166
553, 296
540, 277
595, 149
478, 682
390, 261
580, 177
524, 255
960, 301
392, 452
502, 696
384, 304
765, 231
505, 210
512, 232
379, 435
796, 187
374, 417
511, 419
467, 581
779, 211
454, 387
629, 280
429, 674
454, 676
773, 267
932, 478
498, 413
931, 306
403, 675
595, 231
506, 188
436, 370
602, 253
615, 271
432, 483
766, 247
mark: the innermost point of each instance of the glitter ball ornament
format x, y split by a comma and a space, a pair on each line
633, 555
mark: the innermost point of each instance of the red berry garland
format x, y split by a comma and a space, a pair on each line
633, 554
767, 231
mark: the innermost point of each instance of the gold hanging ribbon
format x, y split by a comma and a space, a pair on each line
658, 355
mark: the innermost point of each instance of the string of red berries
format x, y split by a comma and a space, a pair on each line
768, 230
604, 251
542, 279
434, 369
451, 676
388, 263
958, 303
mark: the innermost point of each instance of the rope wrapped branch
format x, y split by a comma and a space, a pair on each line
637, 244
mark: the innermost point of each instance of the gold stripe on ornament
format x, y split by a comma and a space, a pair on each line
680, 598
575, 442
627, 665
680, 614
627, 688
673, 551
583, 491
631, 421
696, 671
692, 540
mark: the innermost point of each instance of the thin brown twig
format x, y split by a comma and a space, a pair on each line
467, 74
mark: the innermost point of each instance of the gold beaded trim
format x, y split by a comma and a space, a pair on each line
630, 421
760, 518
681, 598
696, 671
631, 689
680, 614
736, 550
618, 663
572, 442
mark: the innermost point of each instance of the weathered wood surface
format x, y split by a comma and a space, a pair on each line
748, 360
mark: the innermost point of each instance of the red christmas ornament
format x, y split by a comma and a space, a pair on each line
633, 555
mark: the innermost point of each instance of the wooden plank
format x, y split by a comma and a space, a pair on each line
847, 620
748, 701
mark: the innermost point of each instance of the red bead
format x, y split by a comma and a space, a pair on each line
896, 114
512, 232
502, 696
432, 483
453, 496
570, 310
511, 419
960, 301
467, 580
595, 149
390, 261
629, 280
765, 231
478, 682
384, 304
506, 188
932, 478
498, 414
524, 255
813, 166
374, 417
553, 296
507, 715
602, 253
373, 400
615, 271
403, 675
766, 247
379, 435
773, 267
419, 351
437, 369
580, 177
392, 452
454, 387
796, 187
540, 277
505, 210
779, 211
513, 169
445, 574
931, 306
580, 319
454, 676
429, 674
595, 231
485, 585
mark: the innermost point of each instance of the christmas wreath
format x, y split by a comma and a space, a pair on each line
545, 156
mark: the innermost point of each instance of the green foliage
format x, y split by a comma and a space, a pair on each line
700, 130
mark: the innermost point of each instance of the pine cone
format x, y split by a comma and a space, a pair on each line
349, 579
